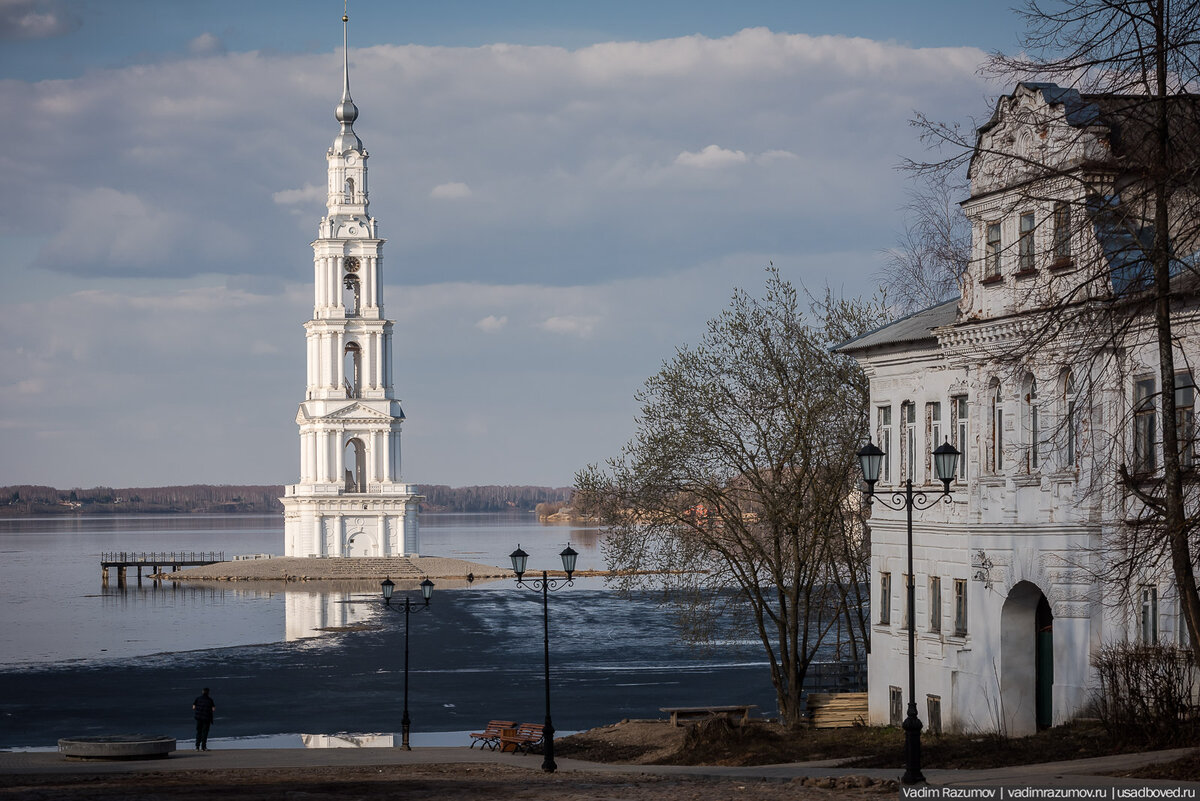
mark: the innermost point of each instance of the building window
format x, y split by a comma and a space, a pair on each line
1182, 637
935, 604
1035, 428
1025, 244
908, 440
991, 257
895, 705
1148, 619
960, 607
997, 431
885, 599
933, 414
934, 705
1185, 419
960, 433
1062, 235
885, 443
1143, 426
1070, 451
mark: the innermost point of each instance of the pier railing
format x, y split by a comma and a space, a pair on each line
163, 558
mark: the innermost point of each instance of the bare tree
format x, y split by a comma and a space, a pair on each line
739, 486
928, 260
1125, 184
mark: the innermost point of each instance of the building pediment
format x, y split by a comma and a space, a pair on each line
1039, 129
351, 411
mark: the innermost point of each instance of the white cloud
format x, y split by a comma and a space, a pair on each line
34, 19
174, 258
710, 157
575, 325
491, 324
771, 156
206, 44
309, 193
451, 191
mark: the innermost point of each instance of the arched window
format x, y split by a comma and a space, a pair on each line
997, 429
352, 296
1070, 422
353, 370
349, 190
356, 465
1035, 424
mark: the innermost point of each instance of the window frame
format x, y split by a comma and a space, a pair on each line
935, 604
1026, 225
1061, 237
885, 443
1071, 420
1185, 419
962, 431
885, 598
992, 248
997, 460
1145, 426
960, 608
1148, 615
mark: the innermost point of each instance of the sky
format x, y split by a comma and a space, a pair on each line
569, 190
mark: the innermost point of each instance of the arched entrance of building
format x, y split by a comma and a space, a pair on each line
359, 544
1026, 660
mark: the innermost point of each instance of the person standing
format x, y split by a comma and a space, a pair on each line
203, 708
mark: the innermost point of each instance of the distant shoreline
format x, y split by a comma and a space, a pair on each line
29, 500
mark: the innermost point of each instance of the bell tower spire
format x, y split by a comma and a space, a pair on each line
350, 500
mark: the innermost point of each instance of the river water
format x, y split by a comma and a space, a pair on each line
77, 659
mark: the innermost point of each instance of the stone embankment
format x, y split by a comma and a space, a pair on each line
298, 568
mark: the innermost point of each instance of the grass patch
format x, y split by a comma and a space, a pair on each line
723, 742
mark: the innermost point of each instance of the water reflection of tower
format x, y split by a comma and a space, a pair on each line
311, 614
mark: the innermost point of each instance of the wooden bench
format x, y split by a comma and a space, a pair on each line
490, 736
521, 739
685, 713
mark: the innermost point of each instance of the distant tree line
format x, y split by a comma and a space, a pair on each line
491, 498
31, 499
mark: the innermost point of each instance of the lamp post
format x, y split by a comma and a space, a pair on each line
389, 587
519, 560
945, 461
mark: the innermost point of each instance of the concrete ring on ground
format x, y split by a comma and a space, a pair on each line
117, 746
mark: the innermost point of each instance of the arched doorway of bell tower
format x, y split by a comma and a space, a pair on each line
356, 465
360, 543
1026, 660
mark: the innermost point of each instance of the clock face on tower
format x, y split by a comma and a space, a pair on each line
351, 158
352, 264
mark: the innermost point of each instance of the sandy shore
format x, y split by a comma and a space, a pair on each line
298, 568
366, 568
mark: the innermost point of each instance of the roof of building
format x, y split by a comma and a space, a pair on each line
916, 327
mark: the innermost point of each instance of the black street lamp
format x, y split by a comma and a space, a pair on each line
545, 584
945, 461
389, 587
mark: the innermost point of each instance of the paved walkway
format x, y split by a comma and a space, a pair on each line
1079, 773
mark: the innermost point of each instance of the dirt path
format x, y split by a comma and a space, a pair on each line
409, 783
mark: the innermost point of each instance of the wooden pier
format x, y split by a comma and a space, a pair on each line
123, 560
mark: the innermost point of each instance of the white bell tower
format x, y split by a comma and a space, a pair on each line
350, 500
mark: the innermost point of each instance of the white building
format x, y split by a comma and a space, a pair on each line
350, 500
1010, 612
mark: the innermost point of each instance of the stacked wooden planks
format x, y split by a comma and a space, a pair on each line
837, 710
